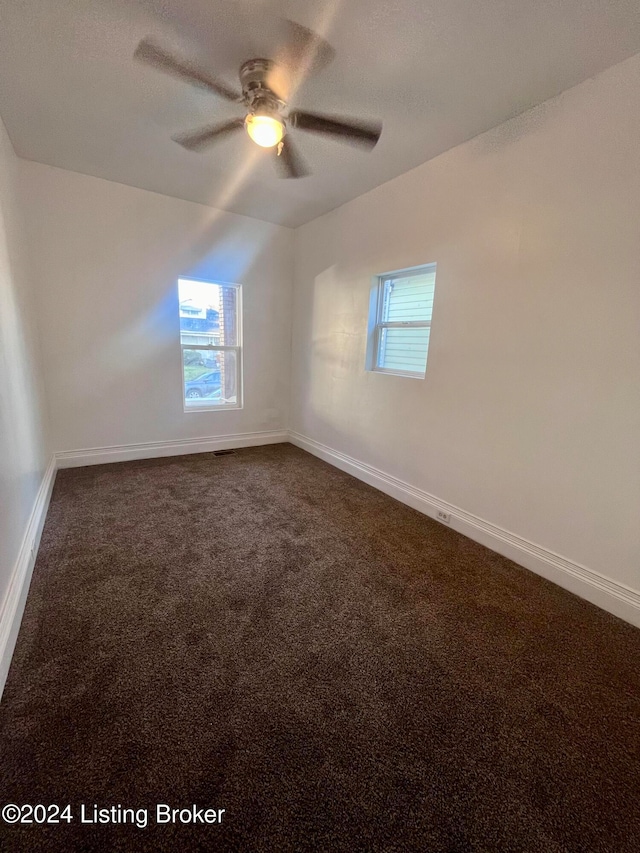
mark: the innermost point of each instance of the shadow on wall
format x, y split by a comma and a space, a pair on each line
19, 370
21, 418
338, 332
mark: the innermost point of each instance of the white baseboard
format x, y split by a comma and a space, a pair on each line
610, 595
154, 449
13, 605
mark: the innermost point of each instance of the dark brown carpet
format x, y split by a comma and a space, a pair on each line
264, 634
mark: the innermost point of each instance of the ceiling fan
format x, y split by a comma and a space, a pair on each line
268, 119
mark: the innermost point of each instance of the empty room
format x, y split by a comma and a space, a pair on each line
319, 422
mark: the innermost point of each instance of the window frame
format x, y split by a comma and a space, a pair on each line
377, 324
238, 349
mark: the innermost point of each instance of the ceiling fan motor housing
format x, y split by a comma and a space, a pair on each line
257, 95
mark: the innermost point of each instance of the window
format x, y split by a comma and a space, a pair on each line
400, 321
210, 337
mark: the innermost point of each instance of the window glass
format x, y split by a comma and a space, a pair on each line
210, 337
400, 323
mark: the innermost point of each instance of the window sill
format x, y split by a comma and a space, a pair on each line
406, 374
225, 407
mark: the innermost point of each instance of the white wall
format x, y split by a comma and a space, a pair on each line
107, 258
529, 416
23, 452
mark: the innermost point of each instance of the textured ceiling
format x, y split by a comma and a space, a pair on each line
435, 72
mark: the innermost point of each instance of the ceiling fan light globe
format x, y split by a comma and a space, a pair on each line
265, 130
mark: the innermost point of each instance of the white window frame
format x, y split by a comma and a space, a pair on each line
376, 324
238, 348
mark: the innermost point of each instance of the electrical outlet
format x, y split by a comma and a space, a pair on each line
444, 517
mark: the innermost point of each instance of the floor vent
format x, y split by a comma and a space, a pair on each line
224, 453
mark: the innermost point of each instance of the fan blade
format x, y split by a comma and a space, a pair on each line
289, 163
360, 133
306, 48
303, 53
196, 140
151, 53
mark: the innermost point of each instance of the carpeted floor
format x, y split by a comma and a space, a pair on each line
264, 634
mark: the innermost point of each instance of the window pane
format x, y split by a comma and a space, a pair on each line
196, 361
208, 313
409, 298
210, 378
403, 349
229, 374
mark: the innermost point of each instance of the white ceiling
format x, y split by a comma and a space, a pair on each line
436, 72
